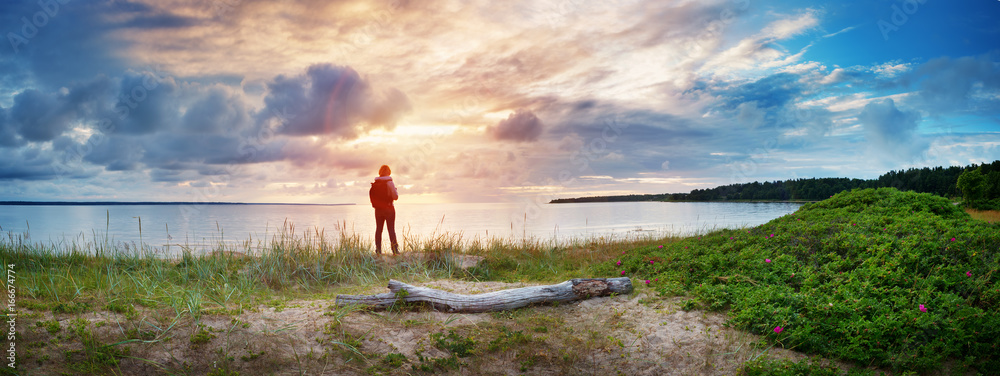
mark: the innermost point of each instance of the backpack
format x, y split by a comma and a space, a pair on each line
379, 194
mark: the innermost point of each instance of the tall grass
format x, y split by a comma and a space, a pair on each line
991, 216
233, 276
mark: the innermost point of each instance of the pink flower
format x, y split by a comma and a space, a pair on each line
661, 247
968, 273
623, 252
623, 272
772, 235
619, 263
647, 281
922, 308
651, 262
767, 261
952, 239
656, 279
778, 329
730, 238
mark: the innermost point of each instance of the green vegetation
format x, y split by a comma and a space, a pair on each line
895, 279
942, 181
771, 367
202, 336
980, 187
51, 326
95, 355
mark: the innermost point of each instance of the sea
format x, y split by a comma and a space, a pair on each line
203, 227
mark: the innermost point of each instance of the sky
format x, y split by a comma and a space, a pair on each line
484, 101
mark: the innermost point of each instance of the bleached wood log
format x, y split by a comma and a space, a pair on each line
575, 289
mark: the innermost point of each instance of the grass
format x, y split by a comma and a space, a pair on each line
119, 277
842, 278
991, 216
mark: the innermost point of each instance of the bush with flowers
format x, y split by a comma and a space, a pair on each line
880, 277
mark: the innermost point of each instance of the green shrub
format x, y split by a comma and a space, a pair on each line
770, 367
846, 278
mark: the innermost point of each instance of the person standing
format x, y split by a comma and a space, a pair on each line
382, 194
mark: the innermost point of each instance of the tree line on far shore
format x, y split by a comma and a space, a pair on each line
978, 185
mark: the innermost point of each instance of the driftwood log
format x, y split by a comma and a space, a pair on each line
502, 300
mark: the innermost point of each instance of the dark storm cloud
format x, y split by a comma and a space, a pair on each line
28, 163
892, 130
146, 104
142, 120
120, 153
330, 100
40, 116
520, 126
8, 135
217, 111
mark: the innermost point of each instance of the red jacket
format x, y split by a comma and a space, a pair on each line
393, 194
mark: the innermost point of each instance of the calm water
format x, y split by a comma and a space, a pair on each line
201, 226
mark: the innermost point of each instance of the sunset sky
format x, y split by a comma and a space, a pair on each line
484, 101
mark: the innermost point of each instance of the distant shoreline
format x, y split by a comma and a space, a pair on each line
573, 201
120, 203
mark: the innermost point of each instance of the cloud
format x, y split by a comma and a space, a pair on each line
520, 126
891, 69
844, 30
115, 153
892, 131
773, 91
8, 134
217, 111
146, 104
331, 100
39, 117
79, 39
790, 27
760, 50
949, 84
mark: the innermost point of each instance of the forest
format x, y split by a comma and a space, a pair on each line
980, 187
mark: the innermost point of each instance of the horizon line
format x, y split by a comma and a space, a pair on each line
68, 203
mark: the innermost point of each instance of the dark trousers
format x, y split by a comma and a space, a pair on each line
388, 217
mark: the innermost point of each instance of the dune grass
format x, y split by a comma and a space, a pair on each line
231, 277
